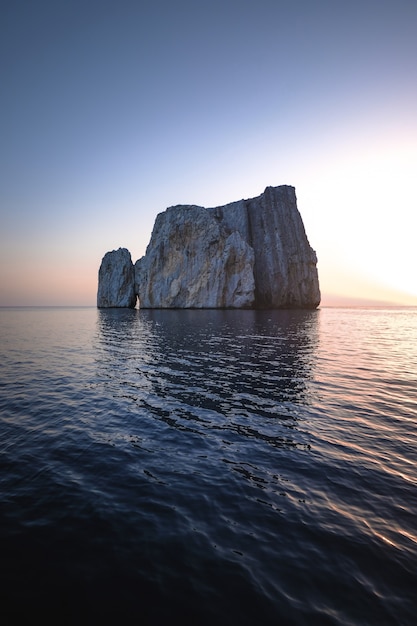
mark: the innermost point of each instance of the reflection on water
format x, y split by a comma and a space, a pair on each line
240, 371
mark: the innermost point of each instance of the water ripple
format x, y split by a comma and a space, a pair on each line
208, 464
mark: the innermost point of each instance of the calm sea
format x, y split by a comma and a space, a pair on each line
208, 467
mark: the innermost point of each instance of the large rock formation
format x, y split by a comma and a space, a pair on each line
116, 280
247, 254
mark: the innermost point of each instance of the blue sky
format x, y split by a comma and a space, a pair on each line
112, 111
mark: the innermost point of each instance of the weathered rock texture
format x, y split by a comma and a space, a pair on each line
194, 261
116, 280
247, 254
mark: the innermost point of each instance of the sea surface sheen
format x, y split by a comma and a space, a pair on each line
208, 467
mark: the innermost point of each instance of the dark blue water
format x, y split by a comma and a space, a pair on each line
208, 467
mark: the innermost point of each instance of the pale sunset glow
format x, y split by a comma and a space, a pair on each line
114, 111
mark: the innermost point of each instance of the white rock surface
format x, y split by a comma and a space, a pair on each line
116, 280
192, 261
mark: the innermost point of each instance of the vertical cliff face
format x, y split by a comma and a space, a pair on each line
285, 264
248, 254
116, 280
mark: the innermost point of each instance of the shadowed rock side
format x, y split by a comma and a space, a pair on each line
285, 265
247, 254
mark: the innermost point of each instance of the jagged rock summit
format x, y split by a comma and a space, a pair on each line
248, 254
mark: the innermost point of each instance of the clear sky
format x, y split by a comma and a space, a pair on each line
113, 110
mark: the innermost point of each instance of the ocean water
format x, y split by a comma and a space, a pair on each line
208, 467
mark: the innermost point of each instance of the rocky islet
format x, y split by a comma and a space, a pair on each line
247, 254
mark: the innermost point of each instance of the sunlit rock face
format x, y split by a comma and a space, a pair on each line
116, 280
248, 254
194, 261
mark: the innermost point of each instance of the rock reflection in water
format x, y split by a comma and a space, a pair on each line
240, 374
